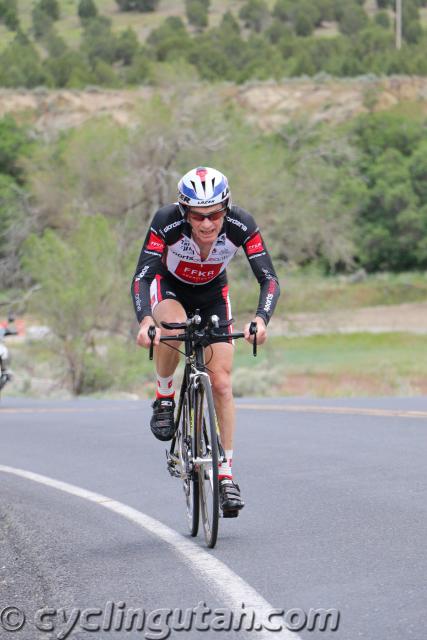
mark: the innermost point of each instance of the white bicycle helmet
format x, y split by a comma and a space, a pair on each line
203, 187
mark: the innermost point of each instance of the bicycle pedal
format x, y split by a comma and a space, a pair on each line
230, 514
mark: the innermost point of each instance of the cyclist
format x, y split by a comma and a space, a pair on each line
6, 329
181, 268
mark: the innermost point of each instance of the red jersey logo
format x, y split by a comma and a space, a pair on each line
197, 273
155, 243
254, 245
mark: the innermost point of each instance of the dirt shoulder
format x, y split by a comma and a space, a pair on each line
410, 318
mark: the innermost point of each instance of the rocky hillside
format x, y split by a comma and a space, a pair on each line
269, 104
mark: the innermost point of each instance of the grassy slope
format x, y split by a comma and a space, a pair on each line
312, 293
331, 365
69, 25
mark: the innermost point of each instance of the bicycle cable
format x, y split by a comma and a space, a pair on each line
183, 353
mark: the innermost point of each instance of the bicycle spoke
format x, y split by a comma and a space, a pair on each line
207, 457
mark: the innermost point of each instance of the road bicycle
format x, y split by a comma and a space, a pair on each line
5, 374
196, 448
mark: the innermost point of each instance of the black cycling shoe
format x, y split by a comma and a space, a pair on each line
230, 500
162, 422
4, 378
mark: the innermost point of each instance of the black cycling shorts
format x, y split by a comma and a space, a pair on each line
208, 300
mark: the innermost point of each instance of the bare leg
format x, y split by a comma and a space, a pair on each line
221, 363
166, 358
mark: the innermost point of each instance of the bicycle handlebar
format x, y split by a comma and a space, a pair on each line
253, 329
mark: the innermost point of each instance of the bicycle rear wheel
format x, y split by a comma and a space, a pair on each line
190, 478
207, 459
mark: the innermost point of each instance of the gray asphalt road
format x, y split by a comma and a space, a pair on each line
335, 515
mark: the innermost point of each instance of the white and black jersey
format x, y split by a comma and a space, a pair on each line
169, 251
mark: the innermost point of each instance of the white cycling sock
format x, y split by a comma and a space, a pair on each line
224, 468
165, 388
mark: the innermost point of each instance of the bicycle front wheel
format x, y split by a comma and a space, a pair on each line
206, 447
185, 440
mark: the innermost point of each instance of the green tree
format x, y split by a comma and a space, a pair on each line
375, 133
412, 31
197, 13
87, 9
14, 144
70, 69
229, 24
326, 9
9, 14
55, 44
354, 19
51, 8
98, 41
104, 74
418, 171
254, 14
382, 19
392, 225
138, 5
127, 46
42, 22
282, 10
14, 225
21, 66
139, 71
79, 286
170, 40
304, 25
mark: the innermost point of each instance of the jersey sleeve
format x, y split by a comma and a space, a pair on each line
149, 264
262, 267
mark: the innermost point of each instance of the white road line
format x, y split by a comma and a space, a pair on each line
222, 580
356, 411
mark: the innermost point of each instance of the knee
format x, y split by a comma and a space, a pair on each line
221, 384
173, 319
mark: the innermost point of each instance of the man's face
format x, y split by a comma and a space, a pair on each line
206, 222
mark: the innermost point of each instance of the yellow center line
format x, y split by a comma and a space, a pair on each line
358, 411
287, 408
65, 409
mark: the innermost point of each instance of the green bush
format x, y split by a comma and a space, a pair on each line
197, 13
98, 41
50, 7
127, 46
41, 22
353, 19
9, 14
14, 145
382, 19
87, 9
21, 66
393, 223
254, 14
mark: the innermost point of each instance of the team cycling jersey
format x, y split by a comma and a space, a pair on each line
169, 250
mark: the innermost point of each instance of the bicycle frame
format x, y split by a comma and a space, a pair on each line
193, 370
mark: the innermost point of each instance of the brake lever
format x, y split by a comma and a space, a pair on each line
253, 329
151, 335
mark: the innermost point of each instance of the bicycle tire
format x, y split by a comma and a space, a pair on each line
207, 447
189, 476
